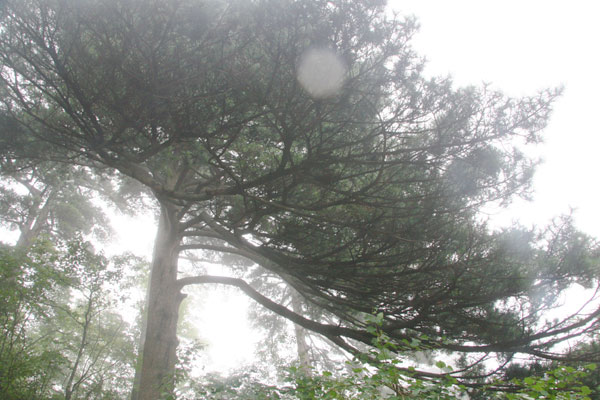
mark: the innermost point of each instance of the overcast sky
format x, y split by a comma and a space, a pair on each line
521, 47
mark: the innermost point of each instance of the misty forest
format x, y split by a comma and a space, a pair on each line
298, 147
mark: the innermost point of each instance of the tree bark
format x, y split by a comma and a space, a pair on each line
158, 356
36, 219
135, 393
302, 346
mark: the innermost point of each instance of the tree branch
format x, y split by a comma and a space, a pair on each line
332, 332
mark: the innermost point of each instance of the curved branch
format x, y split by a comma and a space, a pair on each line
333, 333
211, 247
330, 331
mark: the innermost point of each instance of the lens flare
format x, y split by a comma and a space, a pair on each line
321, 72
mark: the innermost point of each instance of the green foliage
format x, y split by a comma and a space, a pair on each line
51, 199
60, 334
561, 383
379, 374
361, 382
385, 379
28, 359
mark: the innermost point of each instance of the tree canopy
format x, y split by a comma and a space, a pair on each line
363, 198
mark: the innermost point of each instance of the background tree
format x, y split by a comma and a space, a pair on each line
42, 194
362, 199
61, 335
98, 344
28, 361
283, 341
53, 202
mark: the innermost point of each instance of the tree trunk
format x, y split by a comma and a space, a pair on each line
36, 219
158, 356
135, 393
301, 344
69, 387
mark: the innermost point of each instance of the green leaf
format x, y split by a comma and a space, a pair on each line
590, 367
529, 381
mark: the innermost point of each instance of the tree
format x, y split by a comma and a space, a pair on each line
93, 337
60, 335
54, 203
61, 343
28, 362
41, 196
361, 192
280, 339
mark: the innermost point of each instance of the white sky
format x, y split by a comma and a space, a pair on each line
521, 47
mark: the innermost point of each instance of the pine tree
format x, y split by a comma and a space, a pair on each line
302, 136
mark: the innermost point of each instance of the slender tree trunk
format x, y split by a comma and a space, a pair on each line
158, 355
36, 220
301, 344
138, 368
70, 388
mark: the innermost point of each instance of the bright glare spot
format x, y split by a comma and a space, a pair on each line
321, 72
225, 328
